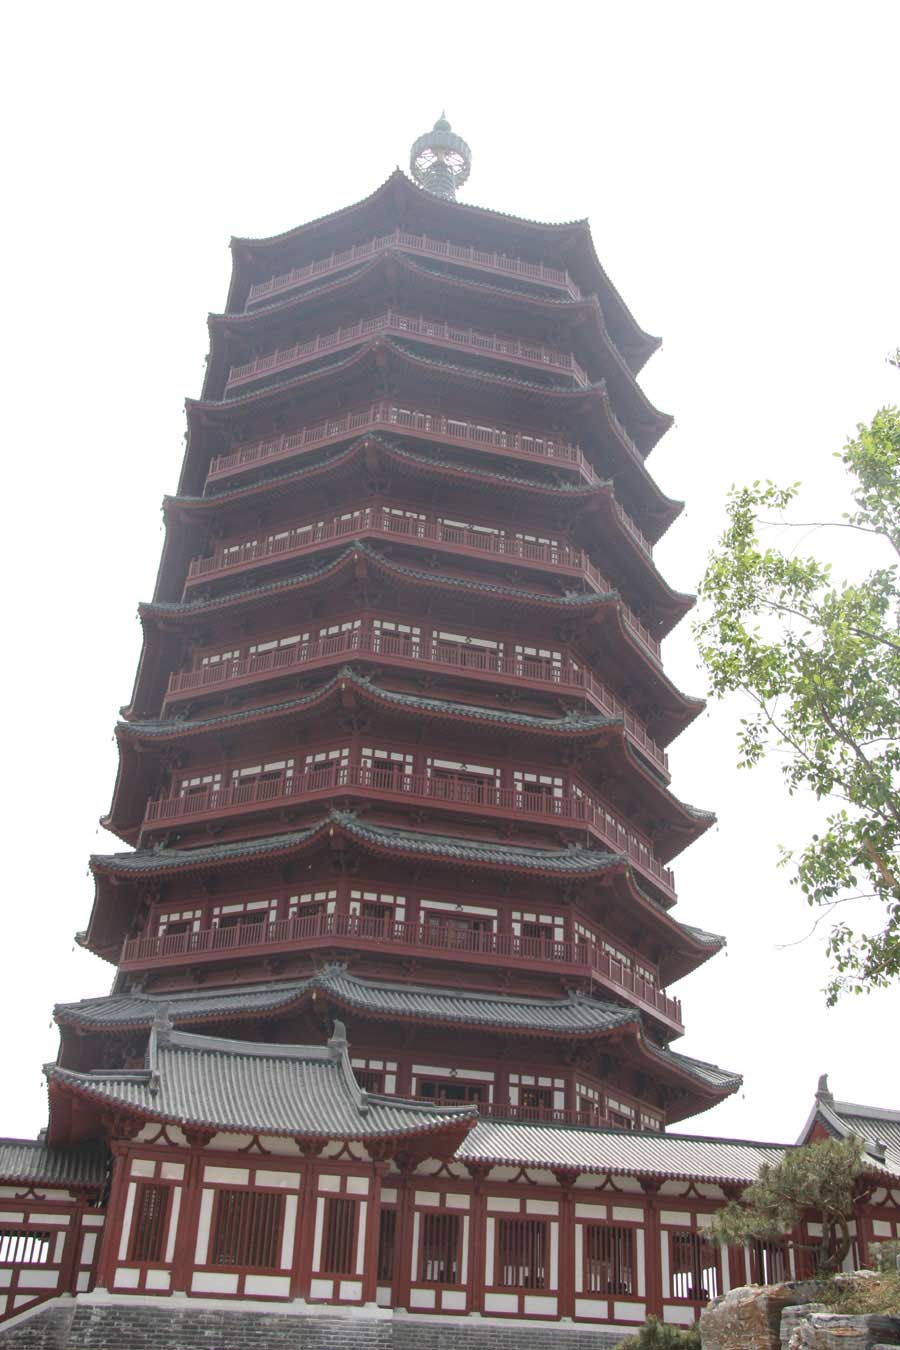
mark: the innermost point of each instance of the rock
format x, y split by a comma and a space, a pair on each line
749, 1318
844, 1331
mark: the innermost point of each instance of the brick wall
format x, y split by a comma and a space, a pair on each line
70, 1325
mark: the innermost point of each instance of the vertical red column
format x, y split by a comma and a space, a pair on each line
403, 1240
112, 1227
479, 1174
566, 1179
306, 1221
373, 1217
189, 1215
652, 1248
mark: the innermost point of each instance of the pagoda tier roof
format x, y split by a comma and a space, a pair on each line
398, 198
347, 688
574, 1015
578, 1015
187, 609
578, 497
573, 1148
538, 400
877, 1126
649, 422
32, 1162
302, 1091
673, 709
685, 947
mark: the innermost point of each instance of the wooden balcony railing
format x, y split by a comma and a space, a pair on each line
416, 244
429, 426
581, 958
538, 1115
405, 651
381, 521
407, 326
391, 783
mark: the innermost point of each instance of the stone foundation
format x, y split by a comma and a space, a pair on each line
84, 1324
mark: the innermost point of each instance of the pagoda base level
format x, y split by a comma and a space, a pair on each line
101, 1321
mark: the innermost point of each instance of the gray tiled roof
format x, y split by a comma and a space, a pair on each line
573, 723
617, 1151
877, 1126
245, 1086
576, 861
702, 936
146, 860
710, 1074
572, 1015
32, 1162
570, 599
566, 488
567, 861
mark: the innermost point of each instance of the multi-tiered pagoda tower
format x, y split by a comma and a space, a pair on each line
394, 773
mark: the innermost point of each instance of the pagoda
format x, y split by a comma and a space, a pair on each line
391, 1025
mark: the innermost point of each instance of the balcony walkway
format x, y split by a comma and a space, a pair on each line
380, 522
410, 654
422, 246
436, 427
355, 933
532, 355
392, 784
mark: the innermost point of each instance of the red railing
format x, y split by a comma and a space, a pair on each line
538, 1115
411, 326
577, 809
380, 520
420, 244
366, 641
430, 426
584, 957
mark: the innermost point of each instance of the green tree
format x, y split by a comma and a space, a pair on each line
820, 661
819, 1181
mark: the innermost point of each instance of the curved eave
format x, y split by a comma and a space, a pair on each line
68, 1082
649, 423
682, 824
116, 875
671, 605
316, 991
673, 710
585, 404
572, 239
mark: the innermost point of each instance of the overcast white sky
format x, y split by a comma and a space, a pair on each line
739, 165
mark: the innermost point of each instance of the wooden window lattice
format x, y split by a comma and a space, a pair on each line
387, 1233
439, 1249
769, 1262
149, 1226
24, 1248
248, 1230
609, 1266
694, 1268
338, 1247
522, 1249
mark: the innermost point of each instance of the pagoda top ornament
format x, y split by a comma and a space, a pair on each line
440, 160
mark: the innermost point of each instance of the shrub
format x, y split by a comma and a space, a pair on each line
656, 1335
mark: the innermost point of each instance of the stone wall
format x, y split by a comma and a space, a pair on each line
75, 1324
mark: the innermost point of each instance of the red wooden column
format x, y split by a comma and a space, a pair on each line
301, 1274
566, 1178
189, 1215
479, 1173
373, 1216
652, 1253
403, 1238
112, 1227
74, 1234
